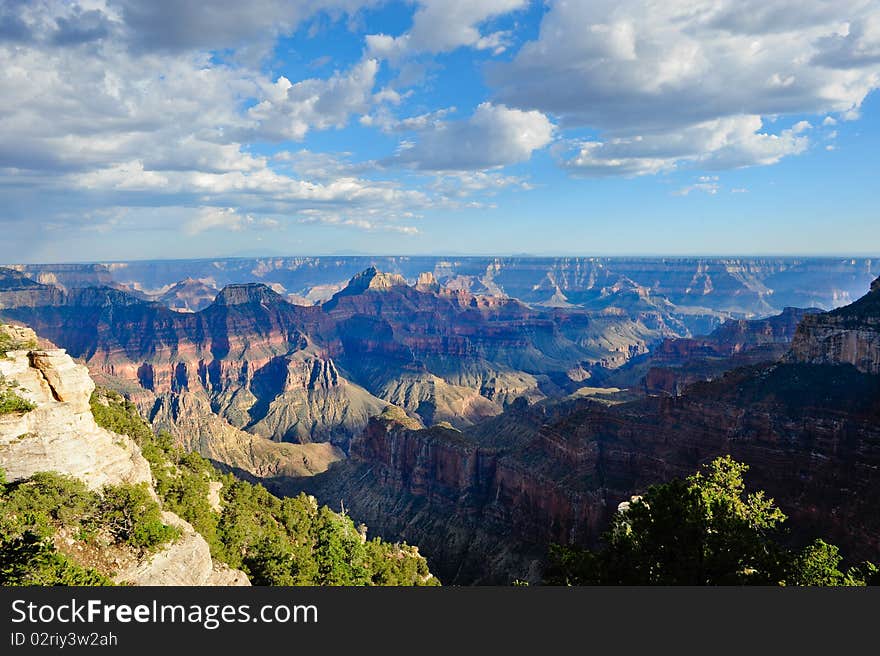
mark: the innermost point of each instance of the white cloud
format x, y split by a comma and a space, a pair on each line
321, 166
210, 218
732, 142
649, 75
855, 47
444, 25
387, 122
290, 110
493, 136
226, 218
707, 184
110, 126
369, 223
485, 183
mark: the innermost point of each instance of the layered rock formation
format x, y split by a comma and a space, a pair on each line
484, 503
60, 435
676, 363
191, 420
479, 501
188, 295
848, 335
316, 374
756, 286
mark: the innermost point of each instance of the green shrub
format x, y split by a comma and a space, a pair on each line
11, 402
29, 559
44, 501
704, 530
133, 517
116, 413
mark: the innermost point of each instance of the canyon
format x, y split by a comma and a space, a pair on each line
484, 408
486, 501
756, 286
256, 382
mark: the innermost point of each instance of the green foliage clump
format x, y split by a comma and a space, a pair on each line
276, 541
28, 559
133, 517
116, 413
10, 402
705, 530
32, 512
293, 541
9, 342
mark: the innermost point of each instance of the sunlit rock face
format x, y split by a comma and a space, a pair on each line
848, 335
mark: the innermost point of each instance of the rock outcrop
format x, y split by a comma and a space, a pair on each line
190, 419
848, 335
676, 363
187, 561
188, 295
60, 435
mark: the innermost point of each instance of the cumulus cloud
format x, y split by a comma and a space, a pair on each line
731, 142
485, 183
115, 127
368, 223
678, 81
210, 218
290, 110
180, 25
313, 165
387, 122
444, 25
856, 47
495, 135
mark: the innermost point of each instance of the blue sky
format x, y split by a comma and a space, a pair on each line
137, 129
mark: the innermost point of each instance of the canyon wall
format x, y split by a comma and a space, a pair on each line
485, 502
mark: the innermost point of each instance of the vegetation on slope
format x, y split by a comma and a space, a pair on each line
10, 402
704, 530
276, 541
12, 339
50, 523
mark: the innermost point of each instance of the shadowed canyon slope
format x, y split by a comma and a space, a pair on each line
485, 502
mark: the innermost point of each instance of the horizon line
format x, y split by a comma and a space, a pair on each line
533, 256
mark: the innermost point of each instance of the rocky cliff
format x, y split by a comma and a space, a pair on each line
59, 434
678, 362
848, 335
188, 295
485, 503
